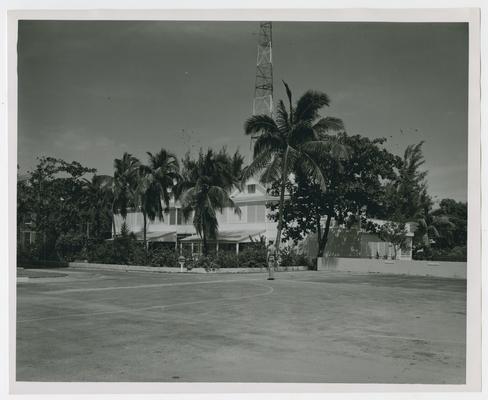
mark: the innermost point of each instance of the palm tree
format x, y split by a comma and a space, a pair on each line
294, 137
98, 200
123, 186
155, 185
205, 190
411, 185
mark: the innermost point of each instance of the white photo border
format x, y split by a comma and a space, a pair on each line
473, 354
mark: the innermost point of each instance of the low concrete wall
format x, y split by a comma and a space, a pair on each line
442, 269
141, 268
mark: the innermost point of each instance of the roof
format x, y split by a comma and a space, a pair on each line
239, 236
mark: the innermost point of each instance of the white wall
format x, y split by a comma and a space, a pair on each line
422, 268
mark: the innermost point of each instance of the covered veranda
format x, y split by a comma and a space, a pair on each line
225, 241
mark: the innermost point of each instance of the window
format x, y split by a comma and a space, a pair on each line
251, 189
251, 213
260, 213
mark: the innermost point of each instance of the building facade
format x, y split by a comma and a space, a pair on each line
235, 231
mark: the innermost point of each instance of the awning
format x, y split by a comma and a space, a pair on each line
157, 236
240, 236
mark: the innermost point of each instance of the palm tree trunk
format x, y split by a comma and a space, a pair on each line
113, 220
280, 213
205, 244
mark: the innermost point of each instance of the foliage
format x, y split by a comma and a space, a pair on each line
406, 196
124, 182
154, 184
253, 257
70, 246
205, 262
294, 137
447, 237
53, 200
353, 185
97, 201
162, 257
227, 259
205, 189
289, 256
451, 220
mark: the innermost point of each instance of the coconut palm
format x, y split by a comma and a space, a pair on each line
207, 182
155, 185
98, 201
124, 183
295, 137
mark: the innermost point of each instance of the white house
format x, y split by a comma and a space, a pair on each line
235, 232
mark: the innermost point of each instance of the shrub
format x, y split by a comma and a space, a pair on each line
105, 253
137, 255
227, 259
289, 257
203, 262
253, 257
70, 246
161, 257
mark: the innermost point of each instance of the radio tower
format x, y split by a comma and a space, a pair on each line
263, 88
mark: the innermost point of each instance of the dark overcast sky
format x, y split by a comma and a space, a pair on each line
88, 91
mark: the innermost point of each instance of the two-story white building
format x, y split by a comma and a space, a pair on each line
235, 231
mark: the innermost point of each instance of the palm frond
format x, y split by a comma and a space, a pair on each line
259, 124
257, 165
269, 141
312, 168
328, 124
320, 149
309, 104
273, 171
289, 96
282, 118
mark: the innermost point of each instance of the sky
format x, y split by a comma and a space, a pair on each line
91, 90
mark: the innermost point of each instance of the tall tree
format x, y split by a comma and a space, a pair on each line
354, 187
205, 190
55, 200
97, 204
407, 195
155, 185
293, 137
126, 171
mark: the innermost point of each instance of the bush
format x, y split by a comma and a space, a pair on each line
70, 246
204, 262
253, 257
289, 257
227, 259
161, 257
458, 253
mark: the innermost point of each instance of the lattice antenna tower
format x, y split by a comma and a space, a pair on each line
263, 88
